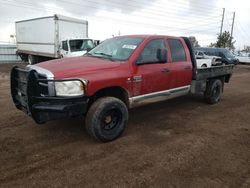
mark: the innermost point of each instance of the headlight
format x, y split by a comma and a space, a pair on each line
69, 88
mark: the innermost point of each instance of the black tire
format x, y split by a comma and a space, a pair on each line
204, 66
213, 91
106, 119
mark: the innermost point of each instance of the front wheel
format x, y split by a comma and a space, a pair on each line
213, 91
106, 119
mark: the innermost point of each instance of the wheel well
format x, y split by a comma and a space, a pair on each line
117, 92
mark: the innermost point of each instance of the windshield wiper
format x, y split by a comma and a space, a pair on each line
88, 54
103, 54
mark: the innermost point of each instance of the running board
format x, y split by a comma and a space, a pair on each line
158, 96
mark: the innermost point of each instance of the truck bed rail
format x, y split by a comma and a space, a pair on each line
214, 71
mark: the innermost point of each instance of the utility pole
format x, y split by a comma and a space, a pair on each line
222, 21
232, 29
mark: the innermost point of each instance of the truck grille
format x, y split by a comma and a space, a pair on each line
19, 85
26, 86
43, 86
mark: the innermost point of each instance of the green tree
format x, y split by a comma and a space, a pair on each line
224, 41
212, 45
194, 41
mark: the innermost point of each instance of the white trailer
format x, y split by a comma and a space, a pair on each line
52, 37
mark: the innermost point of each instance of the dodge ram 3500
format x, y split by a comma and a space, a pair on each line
121, 73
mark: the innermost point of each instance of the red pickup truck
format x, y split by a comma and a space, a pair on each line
120, 73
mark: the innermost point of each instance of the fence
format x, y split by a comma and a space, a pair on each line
8, 53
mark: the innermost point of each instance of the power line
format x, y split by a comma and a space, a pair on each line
159, 11
240, 34
137, 22
242, 31
156, 13
184, 27
247, 34
163, 7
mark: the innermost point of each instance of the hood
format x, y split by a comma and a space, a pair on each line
77, 66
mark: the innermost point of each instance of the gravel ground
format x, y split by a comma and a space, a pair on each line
178, 143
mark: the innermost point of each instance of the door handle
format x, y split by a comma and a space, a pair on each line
165, 70
187, 67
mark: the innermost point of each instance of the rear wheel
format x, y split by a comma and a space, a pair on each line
106, 119
204, 66
213, 91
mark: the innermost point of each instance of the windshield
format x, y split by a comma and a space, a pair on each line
80, 45
119, 48
227, 53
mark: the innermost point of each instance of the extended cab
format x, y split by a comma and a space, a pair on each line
121, 73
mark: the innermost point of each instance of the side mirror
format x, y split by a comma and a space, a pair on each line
159, 57
162, 55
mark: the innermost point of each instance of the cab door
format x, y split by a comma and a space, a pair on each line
150, 75
180, 65
64, 49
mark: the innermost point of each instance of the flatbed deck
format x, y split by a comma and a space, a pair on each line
213, 72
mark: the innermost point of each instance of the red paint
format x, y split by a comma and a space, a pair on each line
103, 73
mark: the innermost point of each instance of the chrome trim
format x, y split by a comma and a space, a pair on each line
86, 82
158, 96
137, 78
49, 75
42, 71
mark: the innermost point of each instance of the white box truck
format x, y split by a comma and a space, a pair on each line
52, 37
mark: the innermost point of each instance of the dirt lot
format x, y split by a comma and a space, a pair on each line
179, 143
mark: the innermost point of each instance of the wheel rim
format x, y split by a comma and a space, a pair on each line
111, 119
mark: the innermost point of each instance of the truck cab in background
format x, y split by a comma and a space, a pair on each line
45, 38
75, 47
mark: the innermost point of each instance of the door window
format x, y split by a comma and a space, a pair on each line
149, 53
177, 50
65, 46
90, 44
